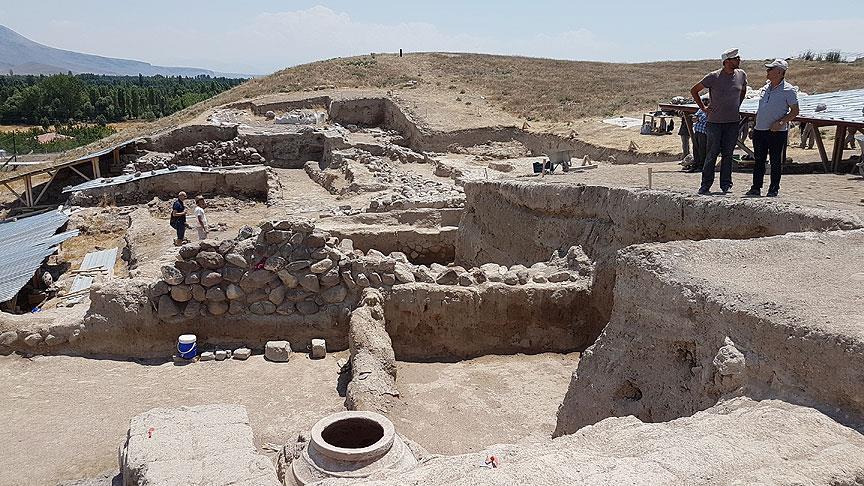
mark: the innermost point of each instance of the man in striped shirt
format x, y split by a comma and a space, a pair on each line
700, 138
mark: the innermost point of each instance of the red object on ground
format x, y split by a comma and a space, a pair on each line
150, 432
260, 264
492, 460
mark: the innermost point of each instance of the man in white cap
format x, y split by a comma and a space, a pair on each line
777, 107
726, 87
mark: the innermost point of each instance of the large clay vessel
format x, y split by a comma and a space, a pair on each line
351, 444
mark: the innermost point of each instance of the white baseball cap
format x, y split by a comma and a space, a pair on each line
778, 63
730, 53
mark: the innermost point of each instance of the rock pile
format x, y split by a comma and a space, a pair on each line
300, 117
217, 154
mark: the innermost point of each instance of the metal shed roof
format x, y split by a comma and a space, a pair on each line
841, 106
24, 244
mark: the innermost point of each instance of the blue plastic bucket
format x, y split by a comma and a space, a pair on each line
186, 346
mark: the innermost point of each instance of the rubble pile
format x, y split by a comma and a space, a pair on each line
218, 154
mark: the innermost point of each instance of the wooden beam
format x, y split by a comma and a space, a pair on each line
42, 193
740, 144
116, 154
16, 194
96, 172
79, 173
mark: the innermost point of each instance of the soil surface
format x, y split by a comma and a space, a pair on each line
57, 406
65, 417
480, 402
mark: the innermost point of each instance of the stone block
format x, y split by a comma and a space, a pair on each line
210, 279
310, 282
172, 275
236, 259
277, 351
321, 266
242, 353
8, 338
287, 278
33, 339
181, 293
210, 259
220, 355
319, 348
217, 308
207, 444
264, 307
207, 356
307, 307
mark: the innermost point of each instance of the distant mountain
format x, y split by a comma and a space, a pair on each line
24, 56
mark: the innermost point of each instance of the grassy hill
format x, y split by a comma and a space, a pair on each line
529, 88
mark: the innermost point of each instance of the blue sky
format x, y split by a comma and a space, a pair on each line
266, 35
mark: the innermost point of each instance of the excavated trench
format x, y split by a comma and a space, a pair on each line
437, 322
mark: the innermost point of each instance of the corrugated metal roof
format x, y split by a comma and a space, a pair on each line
100, 259
79, 285
842, 106
113, 181
24, 244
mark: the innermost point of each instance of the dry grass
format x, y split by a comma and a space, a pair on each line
529, 88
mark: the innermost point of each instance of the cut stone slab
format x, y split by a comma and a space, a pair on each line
220, 355
242, 353
207, 356
278, 351
319, 348
202, 445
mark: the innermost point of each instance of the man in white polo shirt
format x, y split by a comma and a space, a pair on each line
777, 107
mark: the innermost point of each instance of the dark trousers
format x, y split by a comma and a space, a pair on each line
768, 144
721, 141
685, 143
180, 226
700, 149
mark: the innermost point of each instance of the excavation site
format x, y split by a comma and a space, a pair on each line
384, 295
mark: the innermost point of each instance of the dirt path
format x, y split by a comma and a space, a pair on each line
455, 408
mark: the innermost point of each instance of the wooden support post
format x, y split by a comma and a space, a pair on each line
42, 193
821, 146
839, 143
28, 190
96, 172
689, 122
116, 154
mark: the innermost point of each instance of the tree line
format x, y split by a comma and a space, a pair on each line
67, 98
